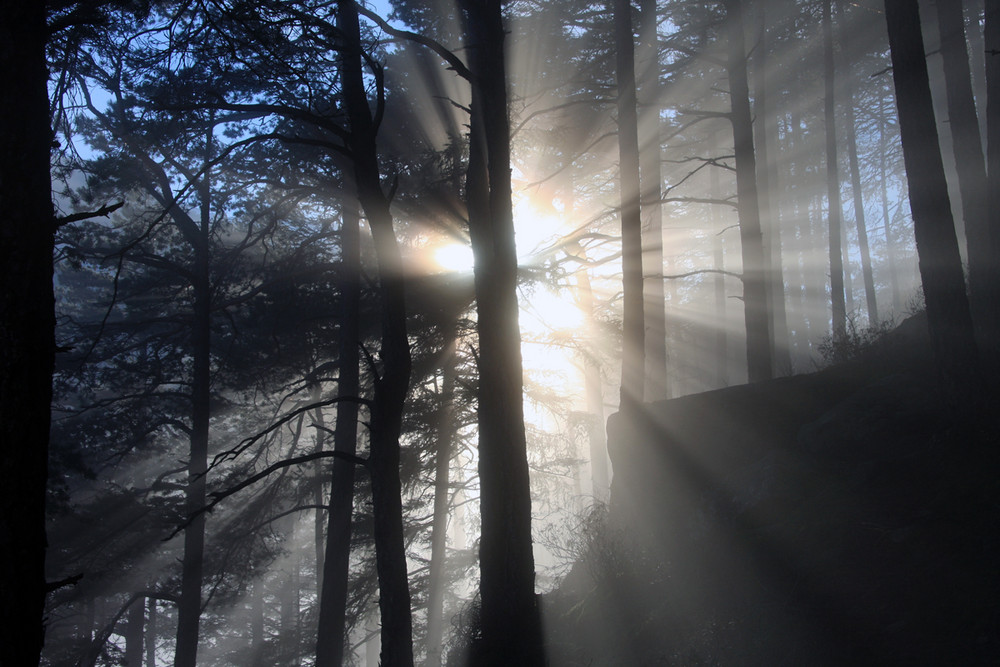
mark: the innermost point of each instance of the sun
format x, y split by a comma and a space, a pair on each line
455, 257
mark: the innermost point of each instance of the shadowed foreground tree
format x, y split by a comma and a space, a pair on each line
511, 623
27, 322
948, 316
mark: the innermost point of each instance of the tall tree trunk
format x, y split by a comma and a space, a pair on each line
751, 239
654, 299
257, 638
833, 179
721, 344
948, 315
392, 386
27, 324
319, 491
133, 632
511, 622
151, 634
633, 323
189, 605
332, 635
767, 188
850, 122
970, 164
890, 246
446, 433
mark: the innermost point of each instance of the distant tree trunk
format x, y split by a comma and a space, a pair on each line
189, 605
948, 315
257, 620
751, 239
833, 179
890, 246
654, 299
133, 632
633, 322
721, 344
27, 324
320, 517
446, 433
850, 123
767, 187
971, 166
337, 559
392, 387
600, 477
151, 634
511, 622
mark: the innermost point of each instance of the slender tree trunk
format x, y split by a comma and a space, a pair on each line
633, 333
337, 560
392, 386
890, 246
751, 239
654, 299
850, 123
319, 491
721, 344
971, 165
948, 315
257, 620
133, 632
833, 179
511, 622
446, 434
189, 606
151, 634
27, 324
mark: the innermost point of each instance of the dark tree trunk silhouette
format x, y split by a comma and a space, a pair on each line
970, 164
890, 246
633, 322
850, 123
189, 605
27, 324
134, 622
392, 385
511, 623
337, 555
751, 239
151, 634
654, 303
839, 310
948, 316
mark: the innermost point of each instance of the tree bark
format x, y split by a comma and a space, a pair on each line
948, 316
633, 322
133, 632
511, 623
392, 386
27, 324
839, 310
151, 634
751, 239
331, 639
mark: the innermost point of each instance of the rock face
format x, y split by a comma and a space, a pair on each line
842, 517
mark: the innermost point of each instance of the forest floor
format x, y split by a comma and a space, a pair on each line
843, 517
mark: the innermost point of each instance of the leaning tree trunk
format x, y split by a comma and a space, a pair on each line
633, 323
511, 622
970, 164
337, 555
27, 325
839, 310
751, 239
948, 316
392, 384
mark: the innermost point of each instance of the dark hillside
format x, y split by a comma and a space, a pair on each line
843, 517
